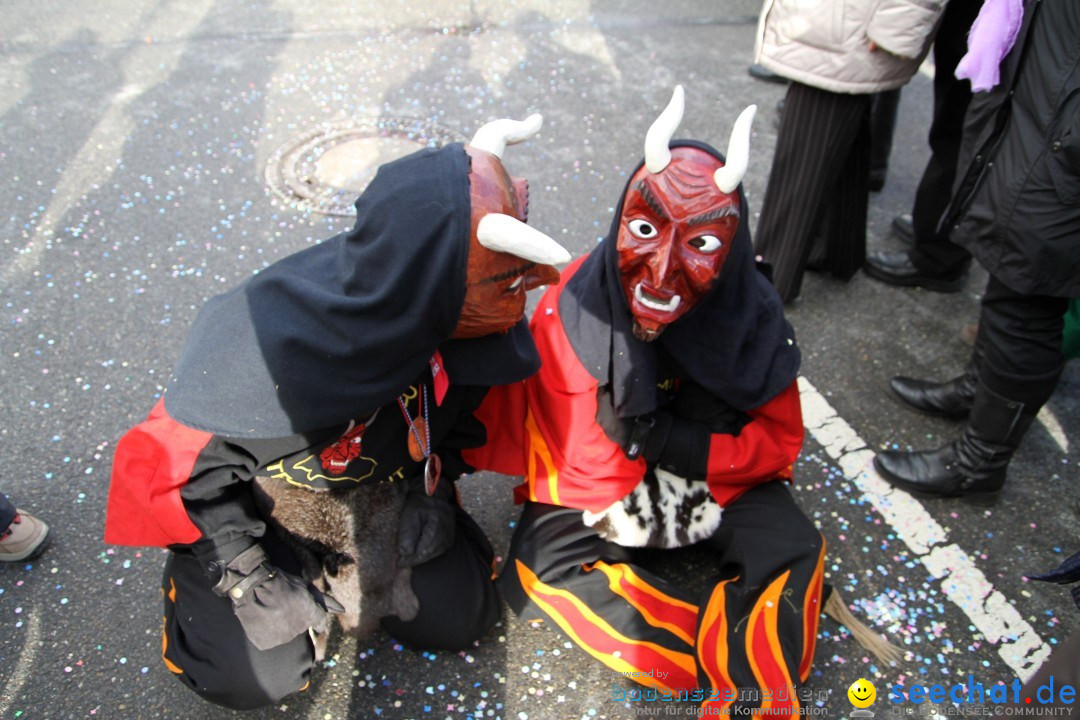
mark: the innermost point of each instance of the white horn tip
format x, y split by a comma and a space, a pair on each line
494, 136
530, 126
503, 233
749, 113
657, 153
728, 177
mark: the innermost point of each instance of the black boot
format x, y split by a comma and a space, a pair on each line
973, 466
951, 399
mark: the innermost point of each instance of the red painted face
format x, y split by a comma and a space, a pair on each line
496, 282
675, 233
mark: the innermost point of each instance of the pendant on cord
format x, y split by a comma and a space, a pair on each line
419, 442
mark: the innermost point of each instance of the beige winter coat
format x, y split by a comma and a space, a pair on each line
826, 43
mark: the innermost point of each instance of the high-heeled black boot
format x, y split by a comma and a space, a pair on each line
972, 467
951, 399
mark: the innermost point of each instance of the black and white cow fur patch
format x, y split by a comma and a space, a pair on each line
663, 511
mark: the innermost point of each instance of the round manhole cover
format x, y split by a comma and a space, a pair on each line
324, 169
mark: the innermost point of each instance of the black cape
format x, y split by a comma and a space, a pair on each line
340, 329
736, 342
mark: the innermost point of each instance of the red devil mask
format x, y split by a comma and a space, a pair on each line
506, 257
674, 235
678, 219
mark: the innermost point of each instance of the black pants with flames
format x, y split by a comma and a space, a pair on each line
752, 628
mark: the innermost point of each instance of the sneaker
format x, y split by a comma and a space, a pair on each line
24, 538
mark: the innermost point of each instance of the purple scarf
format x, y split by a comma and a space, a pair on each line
991, 38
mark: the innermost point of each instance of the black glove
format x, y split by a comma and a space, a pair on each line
272, 606
678, 445
426, 529
694, 402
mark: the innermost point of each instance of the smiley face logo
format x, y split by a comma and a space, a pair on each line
862, 693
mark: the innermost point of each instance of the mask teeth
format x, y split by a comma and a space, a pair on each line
653, 304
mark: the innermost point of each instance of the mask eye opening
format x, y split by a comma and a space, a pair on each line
707, 244
642, 229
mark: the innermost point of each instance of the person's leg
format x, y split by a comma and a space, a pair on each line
1020, 367
7, 512
932, 251
622, 615
882, 128
843, 228
206, 648
1023, 337
816, 133
752, 629
933, 261
456, 592
759, 623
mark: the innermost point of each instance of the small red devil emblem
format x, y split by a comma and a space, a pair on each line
336, 458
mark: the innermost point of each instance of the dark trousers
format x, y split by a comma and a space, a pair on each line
1021, 340
205, 646
883, 110
932, 251
752, 627
818, 190
7, 512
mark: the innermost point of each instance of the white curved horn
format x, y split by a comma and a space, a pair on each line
657, 154
497, 134
503, 233
728, 177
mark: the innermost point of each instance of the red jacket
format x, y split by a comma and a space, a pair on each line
567, 458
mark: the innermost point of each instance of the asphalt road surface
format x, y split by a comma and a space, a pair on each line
150, 157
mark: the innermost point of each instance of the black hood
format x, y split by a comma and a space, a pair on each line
339, 329
736, 342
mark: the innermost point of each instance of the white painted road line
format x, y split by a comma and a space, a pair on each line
24, 664
962, 581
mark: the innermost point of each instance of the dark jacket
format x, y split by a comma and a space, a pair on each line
1016, 202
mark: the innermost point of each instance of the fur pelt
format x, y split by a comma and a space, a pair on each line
663, 511
347, 544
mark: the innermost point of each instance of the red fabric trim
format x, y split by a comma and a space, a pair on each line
765, 449
712, 648
503, 416
656, 607
812, 614
597, 636
153, 461
593, 472
764, 651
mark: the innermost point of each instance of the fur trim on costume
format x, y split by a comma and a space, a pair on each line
663, 511
347, 543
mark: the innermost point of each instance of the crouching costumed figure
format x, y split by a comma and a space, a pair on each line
302, 462
666, 414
